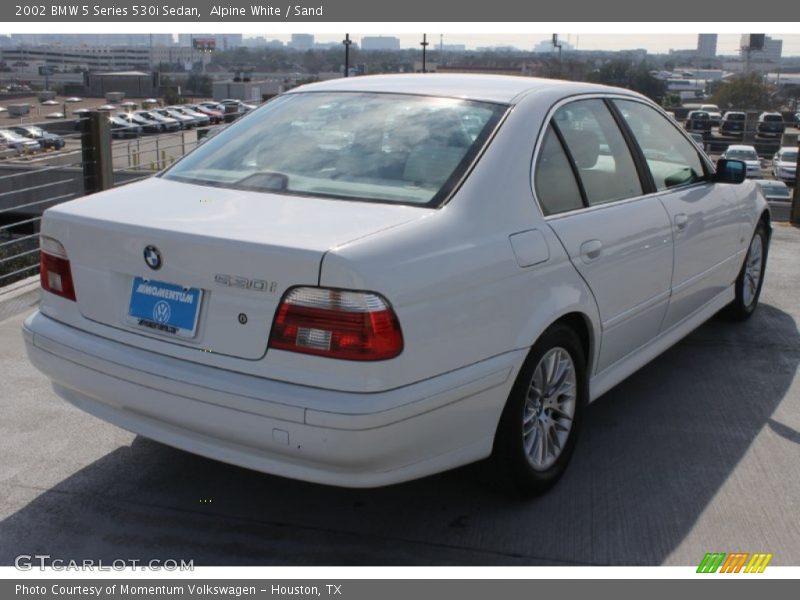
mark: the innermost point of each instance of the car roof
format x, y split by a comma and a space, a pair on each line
788, 149
506, 89
770, 183
741, 147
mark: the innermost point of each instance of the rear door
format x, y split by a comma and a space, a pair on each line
619, 239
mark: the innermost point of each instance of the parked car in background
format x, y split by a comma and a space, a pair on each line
784, 164
185, 121
714, 114
700, 140
199, 119
242, 106
699, 121
775, 191
121, 128
215, 115
770, 124
746, 154
167, 123
20, 143
350, 309
733, 123
147, 125
45, 138
238, 107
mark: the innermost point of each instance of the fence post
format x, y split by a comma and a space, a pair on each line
98, 166
794, 215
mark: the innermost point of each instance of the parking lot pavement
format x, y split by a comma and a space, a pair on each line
697, 452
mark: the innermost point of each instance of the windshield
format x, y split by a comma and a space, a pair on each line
789, 157
735, 116
741, 154
367, 146
774, 118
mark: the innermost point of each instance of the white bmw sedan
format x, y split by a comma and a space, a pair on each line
370, 280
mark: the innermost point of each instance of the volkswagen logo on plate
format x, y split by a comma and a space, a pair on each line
161, 312
152, 257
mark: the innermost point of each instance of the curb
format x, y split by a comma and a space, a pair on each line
19, 297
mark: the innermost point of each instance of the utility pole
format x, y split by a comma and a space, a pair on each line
347, 41
424, 44
557, 44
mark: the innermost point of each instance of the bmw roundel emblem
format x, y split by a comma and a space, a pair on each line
152, 256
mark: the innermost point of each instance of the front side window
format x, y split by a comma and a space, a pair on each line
599, 151
367, 146
672, 159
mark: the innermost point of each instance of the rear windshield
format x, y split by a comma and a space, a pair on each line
735, 116
790, 156
366, 146
773, 118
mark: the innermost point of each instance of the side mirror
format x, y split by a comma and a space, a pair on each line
730, 171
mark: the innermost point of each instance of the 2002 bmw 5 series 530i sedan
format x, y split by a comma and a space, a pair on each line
374, 279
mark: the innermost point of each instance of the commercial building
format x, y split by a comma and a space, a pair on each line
707, 45
223, 41
65, 59
134, 84
380, 42
770, 53
301, 41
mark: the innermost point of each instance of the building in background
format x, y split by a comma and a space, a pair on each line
707, 45
380, 42
224, 41
301, 41
92, 39
770, 53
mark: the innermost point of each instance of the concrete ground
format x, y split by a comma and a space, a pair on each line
697, 452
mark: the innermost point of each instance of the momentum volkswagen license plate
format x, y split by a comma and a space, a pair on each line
164, 307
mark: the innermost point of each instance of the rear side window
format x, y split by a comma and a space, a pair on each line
553, 178
599, 151
672, 159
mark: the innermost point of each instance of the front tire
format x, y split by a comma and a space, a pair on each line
539, 426
751, 277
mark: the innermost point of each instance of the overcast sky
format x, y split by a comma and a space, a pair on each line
656, 43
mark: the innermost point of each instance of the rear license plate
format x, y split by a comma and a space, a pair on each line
164, 307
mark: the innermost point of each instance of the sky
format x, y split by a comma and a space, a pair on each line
727, 43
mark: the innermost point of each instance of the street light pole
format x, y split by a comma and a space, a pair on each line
347, 43
424, 44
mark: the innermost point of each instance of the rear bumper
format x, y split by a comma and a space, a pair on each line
265, 425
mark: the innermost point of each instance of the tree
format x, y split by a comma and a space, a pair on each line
743, 92
636, 77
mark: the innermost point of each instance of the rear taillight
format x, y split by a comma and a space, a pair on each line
337, 323
54, 270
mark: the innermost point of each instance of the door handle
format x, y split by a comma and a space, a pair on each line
681, 221
591, 249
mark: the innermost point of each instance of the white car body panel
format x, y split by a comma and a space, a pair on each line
473, 283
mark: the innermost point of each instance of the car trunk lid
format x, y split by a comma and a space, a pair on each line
232, 253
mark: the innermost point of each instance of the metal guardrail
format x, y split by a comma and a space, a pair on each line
91, 161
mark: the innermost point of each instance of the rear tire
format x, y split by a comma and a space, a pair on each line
751, 277
539, 425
